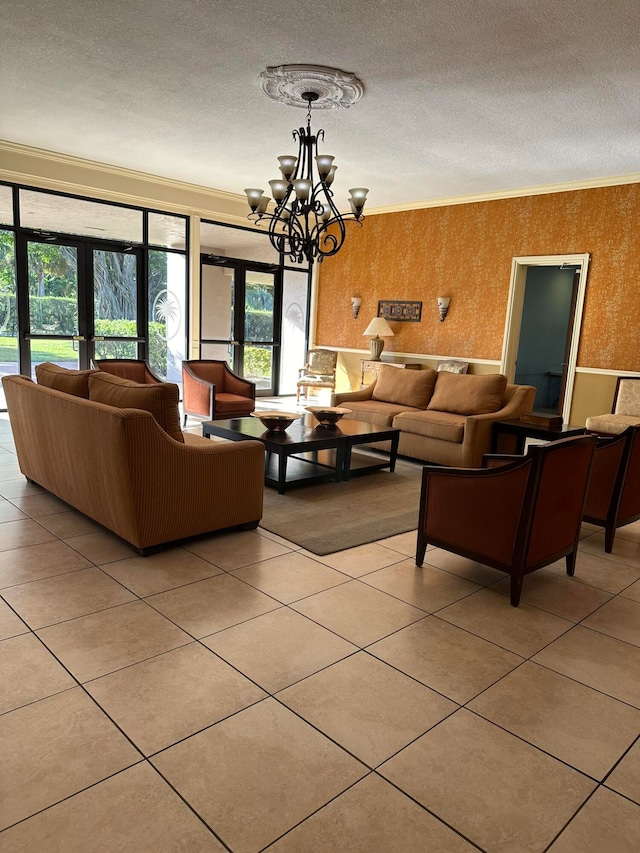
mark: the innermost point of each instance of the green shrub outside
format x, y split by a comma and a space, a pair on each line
257, 363
157, 354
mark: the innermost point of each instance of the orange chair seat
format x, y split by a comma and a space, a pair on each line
233, 403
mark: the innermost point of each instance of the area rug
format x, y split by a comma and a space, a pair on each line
329, 517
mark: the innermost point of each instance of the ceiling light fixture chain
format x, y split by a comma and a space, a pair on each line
306, 224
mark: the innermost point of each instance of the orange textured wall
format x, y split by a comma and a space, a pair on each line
465, 251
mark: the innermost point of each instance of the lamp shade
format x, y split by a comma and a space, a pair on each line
379, 328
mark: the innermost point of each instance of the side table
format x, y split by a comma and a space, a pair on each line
522, 431
369, 366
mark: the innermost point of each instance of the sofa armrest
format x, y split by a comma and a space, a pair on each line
347, 396
478, 429
184, 489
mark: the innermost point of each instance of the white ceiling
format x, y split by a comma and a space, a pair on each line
462, 97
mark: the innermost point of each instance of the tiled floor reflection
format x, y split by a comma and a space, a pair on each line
241, 694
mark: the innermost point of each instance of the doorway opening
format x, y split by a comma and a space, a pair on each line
542, 330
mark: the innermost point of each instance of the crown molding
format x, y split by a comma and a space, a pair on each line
568, 186
226, 197
94, 165
196, 191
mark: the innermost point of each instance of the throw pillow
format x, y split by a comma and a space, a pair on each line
404, 387
463, 394
74, 382
160, 399
453, 366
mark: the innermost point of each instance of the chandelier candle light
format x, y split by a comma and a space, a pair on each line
380, 329
306, 224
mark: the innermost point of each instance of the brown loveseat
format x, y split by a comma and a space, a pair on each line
117, 464
446, 418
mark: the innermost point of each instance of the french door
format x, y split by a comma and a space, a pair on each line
84, 301
240, 318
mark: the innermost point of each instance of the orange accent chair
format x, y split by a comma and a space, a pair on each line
211, 391
135, 369
518, 515
613, 499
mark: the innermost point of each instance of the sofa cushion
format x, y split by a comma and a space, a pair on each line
411, 388
160, 399
443, 425
375, 411
74, 382
468, 394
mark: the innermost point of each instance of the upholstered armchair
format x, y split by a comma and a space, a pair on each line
518, 515
625, 411
135, 369
318, 372
613, 498
211, 391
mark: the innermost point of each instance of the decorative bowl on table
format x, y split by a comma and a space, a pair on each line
327, 416
276, 421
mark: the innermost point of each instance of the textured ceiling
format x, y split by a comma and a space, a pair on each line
461, 96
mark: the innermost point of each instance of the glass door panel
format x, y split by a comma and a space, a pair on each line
259, 301
293, 352
167, 314
9, 356
54, 318
115, 304
217, 312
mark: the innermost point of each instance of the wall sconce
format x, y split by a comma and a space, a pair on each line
443, 306
356, 301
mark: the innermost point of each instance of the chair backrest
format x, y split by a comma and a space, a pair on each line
209, 370
627, 397
134, 369
558, 497
607, 475
630, 497
322, 361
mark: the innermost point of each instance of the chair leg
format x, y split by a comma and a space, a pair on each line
516, 589
609, 536
421, 548
570, 560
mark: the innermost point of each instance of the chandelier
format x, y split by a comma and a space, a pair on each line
306, 224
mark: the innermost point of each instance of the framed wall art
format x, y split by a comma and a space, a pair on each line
392, 309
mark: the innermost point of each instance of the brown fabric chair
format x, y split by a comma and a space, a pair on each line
613, 498
318, 372
212, 391
518, 517
135, 369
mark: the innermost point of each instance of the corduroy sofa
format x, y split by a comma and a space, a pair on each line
443, 417
127, 468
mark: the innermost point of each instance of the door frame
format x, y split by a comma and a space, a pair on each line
238, 342
85, 278
513, 321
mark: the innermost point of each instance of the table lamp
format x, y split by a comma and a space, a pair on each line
380, 329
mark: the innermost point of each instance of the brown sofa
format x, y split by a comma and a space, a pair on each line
444, 417
119, 466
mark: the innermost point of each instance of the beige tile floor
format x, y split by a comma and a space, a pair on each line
238, 693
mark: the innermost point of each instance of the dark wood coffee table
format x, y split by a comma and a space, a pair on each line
306, 452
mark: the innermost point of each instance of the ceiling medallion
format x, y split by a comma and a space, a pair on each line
288, 84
